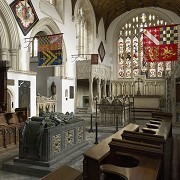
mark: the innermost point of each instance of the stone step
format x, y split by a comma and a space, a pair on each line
82, 110
40, 171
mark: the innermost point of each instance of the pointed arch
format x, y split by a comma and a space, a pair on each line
9, 35
10, 30
49, 26
46, 25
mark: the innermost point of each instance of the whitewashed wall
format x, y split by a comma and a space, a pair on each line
14, 90
66, 24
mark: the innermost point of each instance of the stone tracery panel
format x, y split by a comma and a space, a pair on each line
56, 144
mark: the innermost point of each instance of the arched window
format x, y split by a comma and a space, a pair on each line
130, 51
82, 34
34, 48
34, 44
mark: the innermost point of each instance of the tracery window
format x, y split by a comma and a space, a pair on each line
82, 34
130, 54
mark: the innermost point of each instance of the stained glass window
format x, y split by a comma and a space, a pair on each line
130, 50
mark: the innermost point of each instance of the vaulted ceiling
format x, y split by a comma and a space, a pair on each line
110, 9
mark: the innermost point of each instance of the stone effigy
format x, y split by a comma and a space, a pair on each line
49, 137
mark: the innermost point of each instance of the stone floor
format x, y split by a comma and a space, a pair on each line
90, 137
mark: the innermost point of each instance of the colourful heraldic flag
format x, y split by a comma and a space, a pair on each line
160, 43
50, 50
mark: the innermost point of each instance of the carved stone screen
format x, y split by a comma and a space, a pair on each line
24, 94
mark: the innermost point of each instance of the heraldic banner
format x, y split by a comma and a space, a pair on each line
50, 50
160, 43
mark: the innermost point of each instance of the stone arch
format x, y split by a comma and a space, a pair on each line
9, 36
49, 26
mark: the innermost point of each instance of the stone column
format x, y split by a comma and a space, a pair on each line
14, 61
113, 90
99, 90
104, 88
110, 93
4, 54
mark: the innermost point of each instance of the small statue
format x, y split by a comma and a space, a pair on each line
53, 89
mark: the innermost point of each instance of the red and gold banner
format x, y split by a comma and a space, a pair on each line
160, 43
50, 50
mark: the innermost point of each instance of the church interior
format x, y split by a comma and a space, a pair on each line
94, 82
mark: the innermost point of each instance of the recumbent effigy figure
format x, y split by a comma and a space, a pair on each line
31, 134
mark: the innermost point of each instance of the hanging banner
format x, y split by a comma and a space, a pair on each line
50, 50
94, 58
160, 43
25, 14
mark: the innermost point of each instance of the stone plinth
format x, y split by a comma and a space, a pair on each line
44, 153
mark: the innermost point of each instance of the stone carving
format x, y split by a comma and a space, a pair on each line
80, 134
56, 118
83, 72
101, 72
148, 87
47, 104
31, 134
56, 144
69, 138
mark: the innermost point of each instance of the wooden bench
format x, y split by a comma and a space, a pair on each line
64, 172
162, 137
175, 170
9, 131
162, 115
97, 155
143, 137
139, 113
10, 124
133, 160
